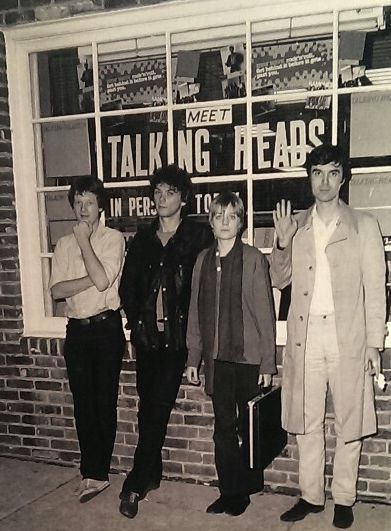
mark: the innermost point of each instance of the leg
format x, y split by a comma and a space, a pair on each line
227, 453
159, 376
347, 455
110, 344
77, 350
311, 444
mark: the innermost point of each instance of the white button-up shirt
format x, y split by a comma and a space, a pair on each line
68, 264
322, 302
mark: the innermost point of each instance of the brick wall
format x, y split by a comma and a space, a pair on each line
36, 414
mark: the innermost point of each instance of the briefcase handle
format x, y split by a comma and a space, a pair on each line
264, 390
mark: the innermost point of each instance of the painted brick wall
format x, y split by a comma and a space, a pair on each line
36, 414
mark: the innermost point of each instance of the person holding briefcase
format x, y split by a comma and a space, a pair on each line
231, 328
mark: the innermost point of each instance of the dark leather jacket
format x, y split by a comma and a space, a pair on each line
149, 265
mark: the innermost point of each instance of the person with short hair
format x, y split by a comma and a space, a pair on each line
86, 269
155, 293
231, 328
333, 257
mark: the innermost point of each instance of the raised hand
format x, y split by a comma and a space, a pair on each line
82, 232
284, 223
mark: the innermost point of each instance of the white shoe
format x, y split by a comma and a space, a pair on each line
81, 486
91, 488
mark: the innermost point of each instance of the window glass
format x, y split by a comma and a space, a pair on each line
65, 150
132, 74
304, 64
207, 139
207, 65
365, 127
133, 145
59, 218
282, 133
65, 82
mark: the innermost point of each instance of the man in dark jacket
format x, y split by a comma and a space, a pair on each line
155, 294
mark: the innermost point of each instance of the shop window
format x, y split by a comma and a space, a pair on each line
236, 97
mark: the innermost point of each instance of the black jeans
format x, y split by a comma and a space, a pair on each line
93, 356
159, 375
234, 385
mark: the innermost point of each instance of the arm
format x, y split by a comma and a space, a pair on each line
266, 319
61, 286
130, 282
193, 335
373, 274
95, 269
111, 261
69, 288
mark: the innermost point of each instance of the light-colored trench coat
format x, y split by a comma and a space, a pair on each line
357, 265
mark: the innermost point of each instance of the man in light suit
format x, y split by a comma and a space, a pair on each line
334, 258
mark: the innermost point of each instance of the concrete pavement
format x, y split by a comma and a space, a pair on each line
39, 497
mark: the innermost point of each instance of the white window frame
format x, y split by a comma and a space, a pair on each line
107, 27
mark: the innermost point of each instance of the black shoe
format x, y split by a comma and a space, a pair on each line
153, 485
300, 511
129, 504
236, 506
218, 506
343, 516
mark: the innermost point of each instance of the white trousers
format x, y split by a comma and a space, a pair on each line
321, 369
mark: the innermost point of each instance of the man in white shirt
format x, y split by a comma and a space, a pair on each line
86, 270
334, 258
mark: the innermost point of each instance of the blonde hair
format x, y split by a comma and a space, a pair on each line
225, 199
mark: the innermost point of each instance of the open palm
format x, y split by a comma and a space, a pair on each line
284, 223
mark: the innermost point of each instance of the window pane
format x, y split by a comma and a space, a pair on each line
64, 82
207, 141
67, 150
364, 121
132, 73
134, 145
291, 65
284, 132
206, 65
58, 220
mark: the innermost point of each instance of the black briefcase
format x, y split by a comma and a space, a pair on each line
266, 436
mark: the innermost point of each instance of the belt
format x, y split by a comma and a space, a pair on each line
94, 318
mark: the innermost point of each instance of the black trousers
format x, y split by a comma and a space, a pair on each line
234, 385
93, 356
159, 375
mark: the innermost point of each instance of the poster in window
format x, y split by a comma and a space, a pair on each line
294, 65
133, 83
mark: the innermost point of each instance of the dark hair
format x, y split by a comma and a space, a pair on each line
87, 183
223, 200
326, 153
176, 178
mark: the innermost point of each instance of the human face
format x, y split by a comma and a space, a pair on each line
86, 208
168, 201
326, 181
225, 223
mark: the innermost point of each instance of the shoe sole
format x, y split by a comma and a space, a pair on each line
84, 498
315, 511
